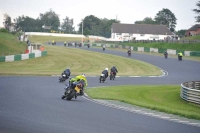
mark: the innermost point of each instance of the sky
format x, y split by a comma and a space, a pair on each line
127, 11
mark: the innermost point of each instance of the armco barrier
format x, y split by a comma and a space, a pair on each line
190, 91
22, 56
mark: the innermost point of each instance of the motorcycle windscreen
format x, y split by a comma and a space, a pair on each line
102, 75
77, 89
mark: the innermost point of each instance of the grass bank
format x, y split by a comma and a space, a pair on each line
156, 97
10, 45
80, 61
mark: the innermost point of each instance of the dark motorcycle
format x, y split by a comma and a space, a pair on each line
80, 44
180, 58
88, 45
65, 44
112, 76
166, 56
63, 77
103, 49
72, 90
129, 53
102, 78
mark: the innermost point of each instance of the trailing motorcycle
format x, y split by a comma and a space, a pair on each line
166, 56
63, 77
129, 53
88, 45
112, 76
102, 78
72, 90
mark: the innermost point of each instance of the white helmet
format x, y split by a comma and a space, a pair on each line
106, 69
83, 75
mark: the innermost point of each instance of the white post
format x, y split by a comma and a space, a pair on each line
82, 32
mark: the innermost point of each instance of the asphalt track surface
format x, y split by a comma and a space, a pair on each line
32, 104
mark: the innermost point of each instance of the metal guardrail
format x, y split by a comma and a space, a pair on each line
190, 91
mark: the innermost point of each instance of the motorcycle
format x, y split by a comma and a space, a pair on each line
129, 53
72, 91
180, 58
88, 45
65, 44
102, 78
112, 76
63, 77
103, 49
166, 56
80, 44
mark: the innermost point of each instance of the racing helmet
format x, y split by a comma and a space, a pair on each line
106, 69
83, 75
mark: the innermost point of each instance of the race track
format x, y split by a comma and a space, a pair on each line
30, 104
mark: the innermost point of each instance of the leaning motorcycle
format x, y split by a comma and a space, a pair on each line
63, 77
112, 76
73, 90
102, 78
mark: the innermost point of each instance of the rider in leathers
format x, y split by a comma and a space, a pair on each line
114, 70
81, 79
105, 72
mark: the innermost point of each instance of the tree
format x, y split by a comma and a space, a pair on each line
26, 24
96, 26
166, 17
7, 21
147, 20
197, 11
181, 32
49, 18
67, 25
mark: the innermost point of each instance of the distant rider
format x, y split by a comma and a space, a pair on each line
114, 70
180, 56
165, 53
129, 51
67, 72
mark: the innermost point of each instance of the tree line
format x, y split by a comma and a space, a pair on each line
92, 25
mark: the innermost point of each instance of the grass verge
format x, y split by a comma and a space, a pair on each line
10, 45
156, 97
80, 61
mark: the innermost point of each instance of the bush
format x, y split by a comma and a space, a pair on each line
3, 30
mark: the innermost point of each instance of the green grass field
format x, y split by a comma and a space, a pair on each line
80, 61
164, 98
192, 38
10, 45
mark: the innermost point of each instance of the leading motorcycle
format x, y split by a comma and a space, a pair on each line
72, 90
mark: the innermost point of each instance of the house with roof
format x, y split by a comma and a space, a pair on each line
194, 30
126, 32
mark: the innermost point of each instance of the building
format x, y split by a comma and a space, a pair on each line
194, 30
126, 32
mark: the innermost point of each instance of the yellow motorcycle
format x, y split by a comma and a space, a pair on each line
72, 90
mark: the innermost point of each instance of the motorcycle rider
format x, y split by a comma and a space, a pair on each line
165, 54
65, 43
67, 72
129, 51
180, 56
114, 70
104, 47
105, 72
81, 79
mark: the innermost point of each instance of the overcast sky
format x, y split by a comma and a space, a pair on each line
127, 11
